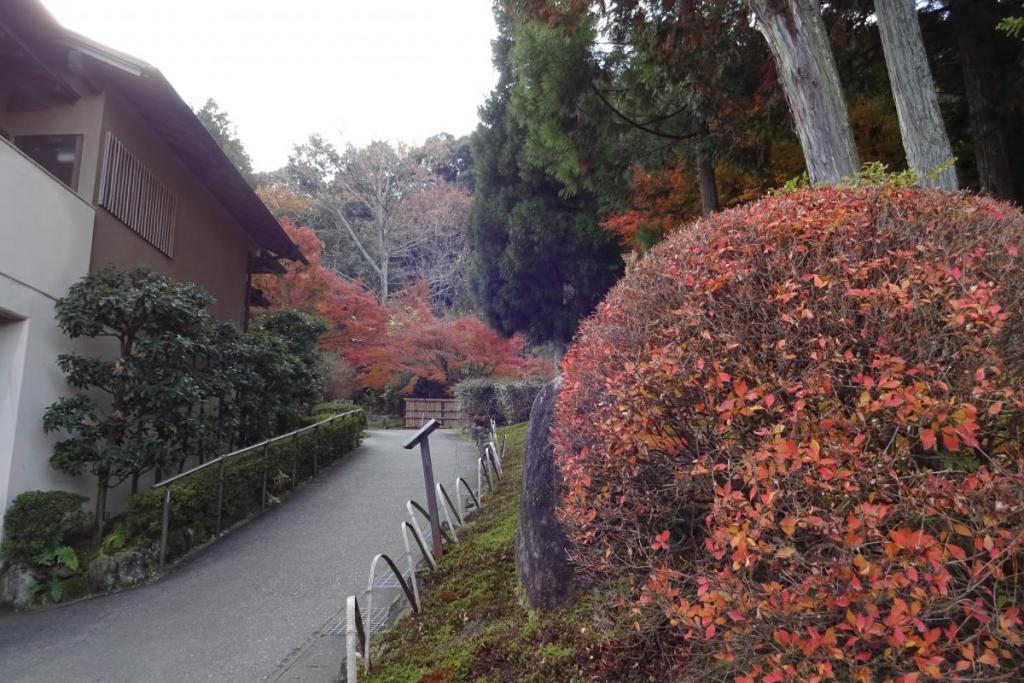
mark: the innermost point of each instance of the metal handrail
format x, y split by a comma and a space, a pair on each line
240, 451
220, 461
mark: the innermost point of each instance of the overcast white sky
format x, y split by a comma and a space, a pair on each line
353, 70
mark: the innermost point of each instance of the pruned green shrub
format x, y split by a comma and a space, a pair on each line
39, 522
504, 401
322, 411
478, 399
194, 499
516, 398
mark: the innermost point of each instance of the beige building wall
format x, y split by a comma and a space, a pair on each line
210, 247
84, 118
45, 235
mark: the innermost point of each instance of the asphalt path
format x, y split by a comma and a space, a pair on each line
240, 609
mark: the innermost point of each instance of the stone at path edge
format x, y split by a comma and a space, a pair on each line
542, 563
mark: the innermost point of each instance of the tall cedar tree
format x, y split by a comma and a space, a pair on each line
540, 262
219, 125
913, 90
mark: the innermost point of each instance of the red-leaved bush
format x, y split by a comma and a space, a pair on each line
795, 429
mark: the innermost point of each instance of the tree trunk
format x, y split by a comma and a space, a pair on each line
706, 176
101, 506
917, 106
796, 37
976, 31
557, 354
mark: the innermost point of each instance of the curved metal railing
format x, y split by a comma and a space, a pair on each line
355, 634
409, 527
483, 475
469, 489
447, 508
358, 637
492, 455
409, 594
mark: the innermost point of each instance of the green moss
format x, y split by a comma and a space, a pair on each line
474, 626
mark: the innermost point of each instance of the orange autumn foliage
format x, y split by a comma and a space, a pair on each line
356, 323
661, 201
399, 344
443, 351
795, 429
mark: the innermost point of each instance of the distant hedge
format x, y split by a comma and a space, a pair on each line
322, 411
504, 401
194, 499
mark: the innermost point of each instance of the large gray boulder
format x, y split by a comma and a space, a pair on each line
121, 570
17, 586
541, 560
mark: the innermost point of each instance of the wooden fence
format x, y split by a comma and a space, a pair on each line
444, 410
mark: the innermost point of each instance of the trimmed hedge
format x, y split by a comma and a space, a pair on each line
322, 411
39, 522
791, 442
194, 499
505, 401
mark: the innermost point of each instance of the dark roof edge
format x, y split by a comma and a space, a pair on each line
199, 151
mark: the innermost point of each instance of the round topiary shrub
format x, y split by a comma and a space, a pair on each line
794, 429
39, 522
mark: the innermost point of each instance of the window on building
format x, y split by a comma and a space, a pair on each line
59, 154
134, 196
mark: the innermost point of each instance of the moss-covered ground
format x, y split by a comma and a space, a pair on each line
474, 626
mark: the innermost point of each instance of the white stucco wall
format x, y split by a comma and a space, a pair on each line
45, 244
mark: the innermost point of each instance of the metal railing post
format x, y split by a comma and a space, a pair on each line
295, 468
422, 437
165, 522
220, 496
314, 444
353, 633
316, 461
263, 497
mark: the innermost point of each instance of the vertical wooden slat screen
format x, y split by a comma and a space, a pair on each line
444, 410
135, 197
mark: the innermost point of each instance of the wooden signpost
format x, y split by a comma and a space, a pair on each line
422, 437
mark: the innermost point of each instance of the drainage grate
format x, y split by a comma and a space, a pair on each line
374, 622
388, 580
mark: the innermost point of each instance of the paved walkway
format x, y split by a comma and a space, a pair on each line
245, 608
